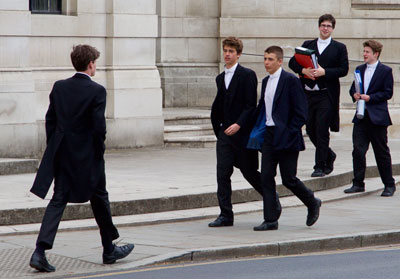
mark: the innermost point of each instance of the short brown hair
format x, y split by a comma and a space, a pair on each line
233, 42
277, 50
327, 17
82, 55
374, 45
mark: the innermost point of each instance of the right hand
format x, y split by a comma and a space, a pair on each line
357, 96
309, 72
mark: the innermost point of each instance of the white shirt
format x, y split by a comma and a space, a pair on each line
323, 44
82, 73
229, 74
369, 72
269, 95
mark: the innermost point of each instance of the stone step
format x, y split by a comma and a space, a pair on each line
188, 127
187, 120
186, 116
173, 131
17, 166
18, 216
191, 141
326, 195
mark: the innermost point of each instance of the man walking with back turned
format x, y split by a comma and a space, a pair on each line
74, 157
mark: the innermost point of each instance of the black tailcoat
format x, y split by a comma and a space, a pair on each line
75, 130
240, 104
335, 61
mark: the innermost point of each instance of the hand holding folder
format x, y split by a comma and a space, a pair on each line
306, 58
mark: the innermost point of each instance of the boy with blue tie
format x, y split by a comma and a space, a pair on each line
285, 107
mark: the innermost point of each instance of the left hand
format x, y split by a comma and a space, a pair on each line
231, 130
365, 97
319, 72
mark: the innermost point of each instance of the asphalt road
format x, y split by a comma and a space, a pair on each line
371, 263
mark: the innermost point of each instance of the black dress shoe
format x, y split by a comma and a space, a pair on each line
40, 263
329, 165
313, 213
221, 221
118, 253
267, 226
354, 189
318, 173
388, 191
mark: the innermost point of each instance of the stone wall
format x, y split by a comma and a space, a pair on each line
188, 51
261, 23
34, 53
164, 53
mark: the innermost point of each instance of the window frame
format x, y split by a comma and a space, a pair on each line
49, 10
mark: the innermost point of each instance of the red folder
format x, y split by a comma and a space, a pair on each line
306, 58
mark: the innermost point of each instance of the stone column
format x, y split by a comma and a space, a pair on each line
17, 97
134, 109
187, 51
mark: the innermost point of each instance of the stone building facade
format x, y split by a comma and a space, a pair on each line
34, 52
191, 32
162, 53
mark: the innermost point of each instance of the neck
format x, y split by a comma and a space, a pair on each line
86, 73
271, 73
372, 62
228, 66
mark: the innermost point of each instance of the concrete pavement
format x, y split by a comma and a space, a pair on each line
151, 173
163, 179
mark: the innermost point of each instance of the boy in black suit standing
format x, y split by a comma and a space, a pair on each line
231, 116
74, 158
322, 89
285, 107
377, 80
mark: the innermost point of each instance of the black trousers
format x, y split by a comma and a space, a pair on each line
232, 154
320, 113
54, 211
287, 161
364, 133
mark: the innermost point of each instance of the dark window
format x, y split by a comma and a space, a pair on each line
45, 6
